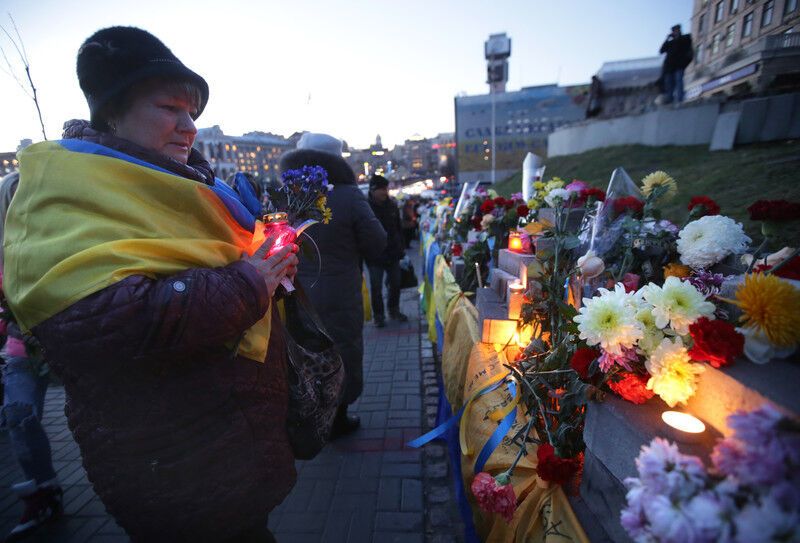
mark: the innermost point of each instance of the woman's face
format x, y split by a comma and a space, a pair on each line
160, 119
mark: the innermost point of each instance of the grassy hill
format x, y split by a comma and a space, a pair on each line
734, 179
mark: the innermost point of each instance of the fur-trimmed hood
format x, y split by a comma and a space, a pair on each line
339, 172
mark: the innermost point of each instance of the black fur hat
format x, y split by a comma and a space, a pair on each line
378, 182
111, 60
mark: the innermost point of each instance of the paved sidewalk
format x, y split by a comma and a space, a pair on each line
367, 487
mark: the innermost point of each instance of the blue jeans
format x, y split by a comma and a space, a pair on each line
673, 86
376, 273
21, 415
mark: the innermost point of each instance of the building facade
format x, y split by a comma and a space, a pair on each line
744, 47
257, 153
523, 120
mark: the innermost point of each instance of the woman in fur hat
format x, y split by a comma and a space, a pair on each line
138, 272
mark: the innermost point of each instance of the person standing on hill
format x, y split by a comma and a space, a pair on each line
678, 48
388, 263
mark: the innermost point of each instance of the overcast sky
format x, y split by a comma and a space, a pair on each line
351, 68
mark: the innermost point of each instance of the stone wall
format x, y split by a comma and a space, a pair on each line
762, 119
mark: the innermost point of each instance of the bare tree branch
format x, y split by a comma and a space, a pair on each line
19, 45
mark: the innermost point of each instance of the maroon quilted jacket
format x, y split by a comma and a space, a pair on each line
181, 439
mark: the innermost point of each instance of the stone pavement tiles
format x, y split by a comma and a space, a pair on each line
363, 488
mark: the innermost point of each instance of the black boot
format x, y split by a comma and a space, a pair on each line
380, 321
397, 316
344, 424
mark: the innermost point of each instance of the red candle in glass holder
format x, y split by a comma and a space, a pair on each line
515, 242
278, 224
458, 250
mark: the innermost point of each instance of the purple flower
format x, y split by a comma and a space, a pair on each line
664, 470
706, 282
607, 360
756, 453
764, 521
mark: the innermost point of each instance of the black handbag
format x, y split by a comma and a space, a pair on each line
316, 377
408, 277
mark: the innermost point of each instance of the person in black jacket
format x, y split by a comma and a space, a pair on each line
334, 287
678, 48
388, 263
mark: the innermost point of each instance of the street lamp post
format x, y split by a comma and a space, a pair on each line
496, 50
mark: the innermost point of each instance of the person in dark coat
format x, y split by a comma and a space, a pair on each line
388, 262
333, 281
679, 53
179, 414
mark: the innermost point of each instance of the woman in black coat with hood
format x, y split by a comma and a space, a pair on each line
353, 234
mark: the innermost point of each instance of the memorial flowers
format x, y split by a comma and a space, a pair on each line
554, 469
751, 493
609, 320
495, 494
672, 374
715, 341
700, 206
769, 306
708, 240
304, 195
677, 304
659, 185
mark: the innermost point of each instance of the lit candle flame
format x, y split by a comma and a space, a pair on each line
683, 422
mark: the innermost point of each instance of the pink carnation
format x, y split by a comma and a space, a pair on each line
494, 497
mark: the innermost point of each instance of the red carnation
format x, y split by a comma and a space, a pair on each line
628, 203
499, 201
716, 342
522, 210
632, 387
494, 497
554, 469
631, 282
592, 193
476, 222
790, 270
774, 210
487, 206
581, 360
704, 206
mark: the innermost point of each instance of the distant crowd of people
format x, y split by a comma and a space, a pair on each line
125, 274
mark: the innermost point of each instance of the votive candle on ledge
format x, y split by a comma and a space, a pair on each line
515, 242
515, 300
683, 427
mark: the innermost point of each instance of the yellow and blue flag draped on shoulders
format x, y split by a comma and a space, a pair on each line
85, 217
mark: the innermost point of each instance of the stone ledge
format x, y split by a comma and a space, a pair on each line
615, 431
603, 496
499, 280
744, 385
510, 262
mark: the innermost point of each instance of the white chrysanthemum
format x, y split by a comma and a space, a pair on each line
609, 320
677, 304
706, 241
556, 195
672, 374
651, 334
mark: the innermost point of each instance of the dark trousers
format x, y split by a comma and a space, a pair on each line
673, 86
376, 274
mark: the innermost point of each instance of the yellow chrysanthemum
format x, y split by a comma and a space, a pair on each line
770, 304
673, 269
321, 202
327, 215
660, 179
